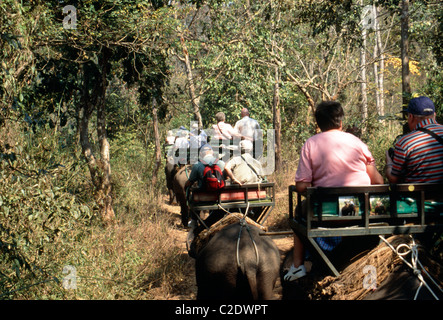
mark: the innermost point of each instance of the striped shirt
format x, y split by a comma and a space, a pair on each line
418, 156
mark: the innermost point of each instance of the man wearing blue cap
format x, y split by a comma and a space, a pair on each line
418, 155
207, 158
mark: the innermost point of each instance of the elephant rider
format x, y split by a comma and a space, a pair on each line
223, 130
245, 168
169, 143
418, 155
197, 137
206, 158
249, 129
223, 134
181, 147
332, 158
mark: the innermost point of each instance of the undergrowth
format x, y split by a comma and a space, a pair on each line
52, 243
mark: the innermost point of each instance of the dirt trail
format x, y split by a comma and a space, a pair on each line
187, 288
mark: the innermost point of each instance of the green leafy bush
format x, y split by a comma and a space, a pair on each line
42, 198
48, 223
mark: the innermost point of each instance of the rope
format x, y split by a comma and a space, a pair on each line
243, 224
246, 211
413, 249
186, 171
221, 208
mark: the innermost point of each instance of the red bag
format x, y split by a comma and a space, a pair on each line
213, 177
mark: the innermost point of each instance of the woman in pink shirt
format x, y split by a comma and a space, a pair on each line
332, 158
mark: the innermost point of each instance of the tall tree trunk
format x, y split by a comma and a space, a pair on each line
157, 143
100, 169
363, 93
277, 118
379, 66
307, 95
276, 100
195, 100
376, 79
363, 85
405, 80
104, 192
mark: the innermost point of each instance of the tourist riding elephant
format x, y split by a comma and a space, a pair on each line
348, 209
178, 186
233, 266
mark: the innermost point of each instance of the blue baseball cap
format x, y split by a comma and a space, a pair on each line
422, 106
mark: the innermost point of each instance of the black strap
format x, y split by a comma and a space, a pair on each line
253, 169
222, 132
437, 137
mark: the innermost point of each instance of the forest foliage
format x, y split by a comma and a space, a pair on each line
88, 90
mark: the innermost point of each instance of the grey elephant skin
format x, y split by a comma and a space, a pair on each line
170, 171
220, 275
178, 186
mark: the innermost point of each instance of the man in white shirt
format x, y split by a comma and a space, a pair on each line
181, 147
182, 141
197, 138
248, 128
245, 169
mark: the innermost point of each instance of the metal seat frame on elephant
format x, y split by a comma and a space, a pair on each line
409, 209
235, 198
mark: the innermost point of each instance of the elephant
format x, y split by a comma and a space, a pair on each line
233, 266
403, 284
341, 256
348, 210
170, 171
178, 186
400, 282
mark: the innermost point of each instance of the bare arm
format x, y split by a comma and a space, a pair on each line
389, 175
374, 175
231, 175
301, 186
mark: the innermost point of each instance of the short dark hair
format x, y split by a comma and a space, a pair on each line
328, 115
